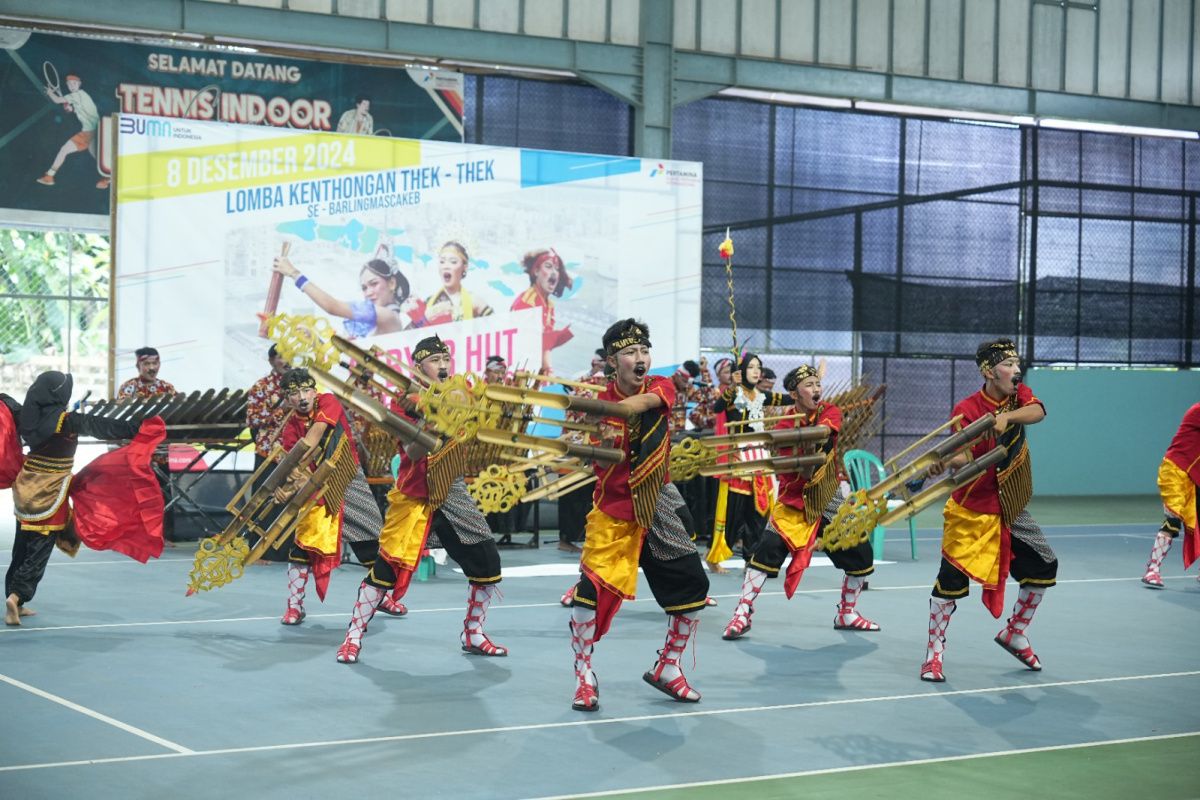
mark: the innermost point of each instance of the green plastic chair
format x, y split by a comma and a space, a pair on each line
865, 470
426, 567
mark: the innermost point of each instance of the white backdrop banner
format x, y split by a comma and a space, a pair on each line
526, 254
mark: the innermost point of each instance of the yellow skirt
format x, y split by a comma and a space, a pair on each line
971, 541
405, 527
318, 532
795, 530
611, 550
1178, 493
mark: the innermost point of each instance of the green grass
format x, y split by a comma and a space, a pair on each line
1163, 769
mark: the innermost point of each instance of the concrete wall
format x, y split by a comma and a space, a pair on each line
1106, 430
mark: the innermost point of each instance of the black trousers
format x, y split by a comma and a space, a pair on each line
30, 554
679, 585
700, 494
742, 521
573, 508
1026, 567
479, 562
773, 550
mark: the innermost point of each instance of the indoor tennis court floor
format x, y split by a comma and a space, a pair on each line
123, 687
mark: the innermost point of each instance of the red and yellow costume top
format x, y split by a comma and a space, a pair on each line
421, 487
319, 532
1178, 477
978, 516
796, 512
625, 497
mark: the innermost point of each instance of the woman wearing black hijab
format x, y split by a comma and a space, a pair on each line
42, 483
747, 500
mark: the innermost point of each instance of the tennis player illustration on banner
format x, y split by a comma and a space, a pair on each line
80, 102
358, 119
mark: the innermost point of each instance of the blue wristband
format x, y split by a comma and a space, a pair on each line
300, 281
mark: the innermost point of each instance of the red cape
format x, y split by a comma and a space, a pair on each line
118, 502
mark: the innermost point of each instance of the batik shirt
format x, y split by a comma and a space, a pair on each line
136, 387
264, 411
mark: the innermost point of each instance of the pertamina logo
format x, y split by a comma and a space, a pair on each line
676, 175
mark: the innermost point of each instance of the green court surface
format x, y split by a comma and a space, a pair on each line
1155, 769
1068, 510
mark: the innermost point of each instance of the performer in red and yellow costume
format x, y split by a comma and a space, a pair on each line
634, 523
319, 419
742, 503
1178, 476
987, 533
804, 506
114, 503
430, 494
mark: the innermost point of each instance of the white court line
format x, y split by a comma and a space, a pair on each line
458, 609
541, 726
1143, 534
116, 723
862, 767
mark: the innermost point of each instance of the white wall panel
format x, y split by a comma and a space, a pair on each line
872, 35
834, 36
1143, 78
796, 29
1177, 31
626, 22
758, 28
406, 10
262, 3
361, 8
944, 19
1081, 50
685, 24
586, 20
1196, 57
454, 13
1114, 30
1013, 42
718, 26
908, 37
1047, 43
544, 17
312, 6
979, 40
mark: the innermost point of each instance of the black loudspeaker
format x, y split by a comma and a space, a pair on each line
199, 503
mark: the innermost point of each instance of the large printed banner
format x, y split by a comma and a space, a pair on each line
57, 91
525, 254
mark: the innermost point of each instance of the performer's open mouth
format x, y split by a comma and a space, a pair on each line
817, 397
443, 374
447, 276
639, 370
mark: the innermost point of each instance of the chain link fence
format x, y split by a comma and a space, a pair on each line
899, 244
53, 308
